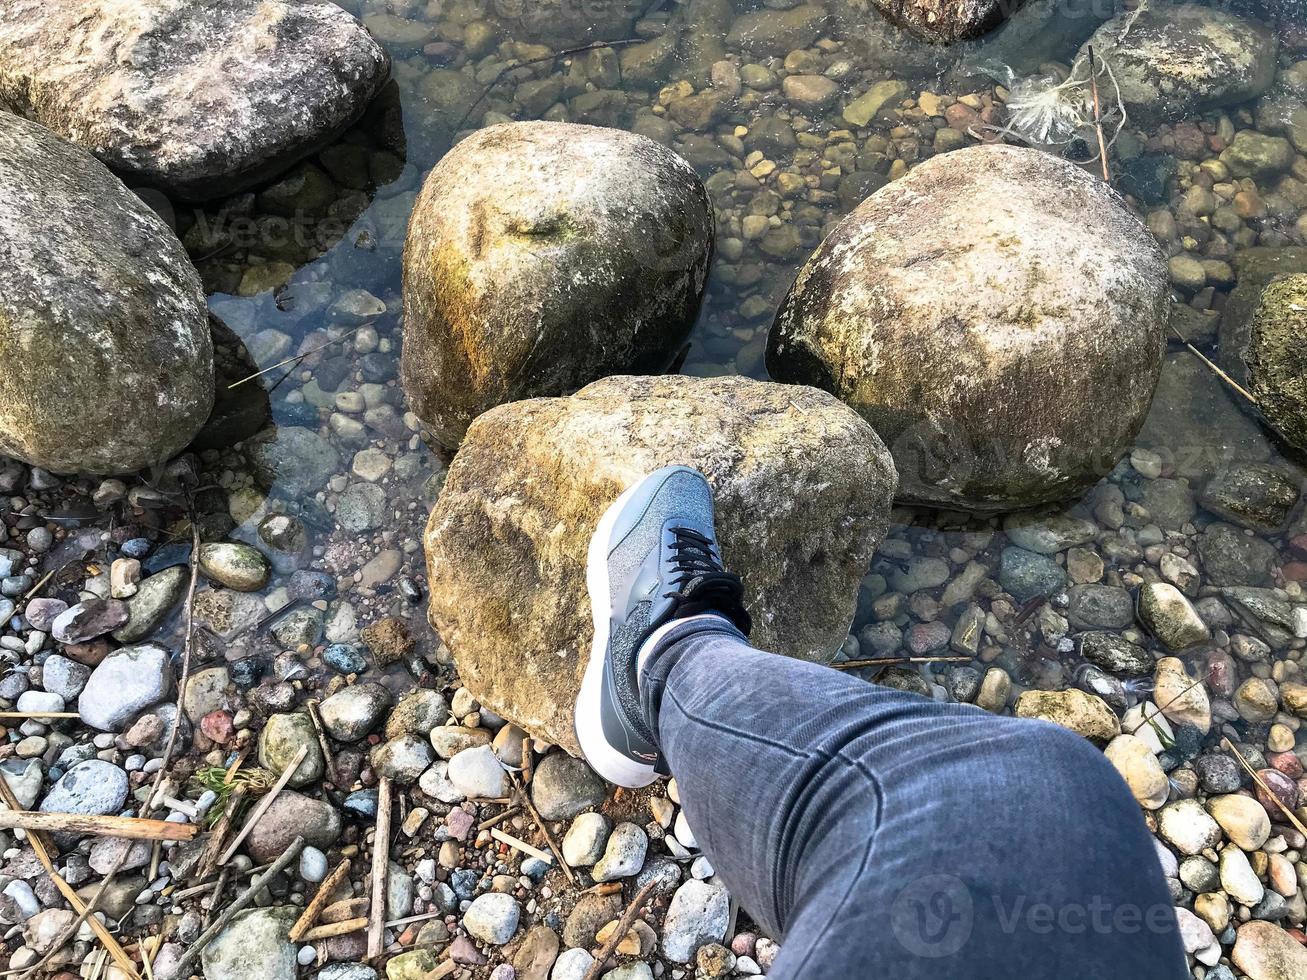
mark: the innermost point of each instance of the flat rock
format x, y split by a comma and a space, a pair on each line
155, 598
279, 80
801, 489
114, 370
697, 915
1181, 699
93, 786
1264, 951
1085, 714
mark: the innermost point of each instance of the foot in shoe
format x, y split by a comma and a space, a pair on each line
653, 559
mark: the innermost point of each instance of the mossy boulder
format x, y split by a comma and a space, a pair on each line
104, 334
195, 98
542, 256
997, 315
1175, 61
802, 488
1275, 358
947, 21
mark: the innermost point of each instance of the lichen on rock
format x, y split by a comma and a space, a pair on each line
104, 334
543, 256
802, 489
997, 315
197, 99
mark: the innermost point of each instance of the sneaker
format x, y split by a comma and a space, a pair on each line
653, 559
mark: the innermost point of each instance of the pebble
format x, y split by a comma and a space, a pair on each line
477, 774
624, 854
583, 844
697, 915
313, 864
492, 918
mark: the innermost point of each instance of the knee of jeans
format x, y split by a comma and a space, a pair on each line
1072, 776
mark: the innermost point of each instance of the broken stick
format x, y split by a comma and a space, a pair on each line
133, 828
242, 900
264, 803
309, 917
623, 927
380, 868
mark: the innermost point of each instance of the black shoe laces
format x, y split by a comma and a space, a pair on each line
702, 584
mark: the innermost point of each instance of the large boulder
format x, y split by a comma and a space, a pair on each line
947, 21
802, 487
1003, 367
195, 98
542, 256
1275, 357
104, 335
1175, 61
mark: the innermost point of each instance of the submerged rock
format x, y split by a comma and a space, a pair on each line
103, 329
947, 350
542, 256
1175, 61
947, 21
1274, 356
802, 490
198, 99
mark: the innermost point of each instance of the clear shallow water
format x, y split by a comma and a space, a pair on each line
315, 260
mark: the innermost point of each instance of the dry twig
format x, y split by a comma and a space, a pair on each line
380, 868
540, 822
1098, 116
891, 661
242, 900
297, 357
1293, 818
132, 828
521, 845
320, 899
623, 927
257, 813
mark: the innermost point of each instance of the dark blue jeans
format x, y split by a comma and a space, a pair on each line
881, 834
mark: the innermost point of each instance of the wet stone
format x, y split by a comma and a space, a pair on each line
1258, 496
1026, 575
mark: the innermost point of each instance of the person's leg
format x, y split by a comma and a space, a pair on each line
879, 833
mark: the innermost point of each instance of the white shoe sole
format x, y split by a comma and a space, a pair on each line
602, 757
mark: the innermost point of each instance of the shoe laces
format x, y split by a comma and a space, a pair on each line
702, 584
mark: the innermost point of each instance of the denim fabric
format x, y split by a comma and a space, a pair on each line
881, 834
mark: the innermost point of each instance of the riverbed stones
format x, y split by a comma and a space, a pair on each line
233, 564
353, 713
282, 737
1259, 496
1085, 714
279, 80
1168, 615
542, 256
254, 947
291, 815
492, 918
697, 915
1182, 699
801, 487
1188, 827
1264, 951
93, 786
1175, 61
1243, 819
945, 22
945, 352
1135, 761
564, 786
154, 599
124, 684
103, 326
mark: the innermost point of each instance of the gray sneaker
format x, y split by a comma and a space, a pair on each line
653, 559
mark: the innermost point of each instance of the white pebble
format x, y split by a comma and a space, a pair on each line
313, 864
306, 955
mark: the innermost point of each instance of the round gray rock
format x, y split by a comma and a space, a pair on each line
353, 713
104, 332
1174, 61
254, 947
93, 786
542, 256
492, 918
1003, 368
124, 684
274, 81
564, 786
